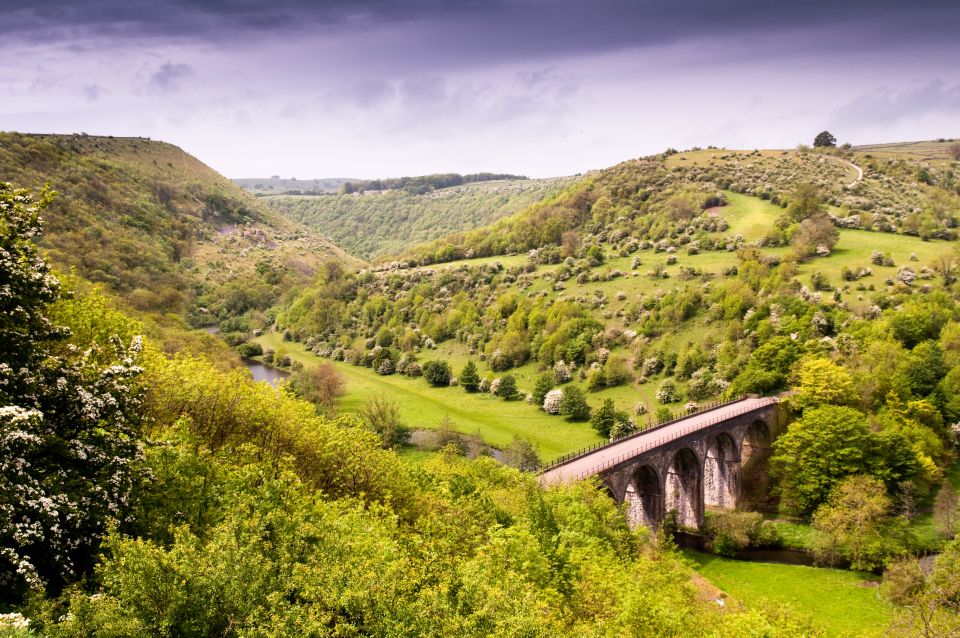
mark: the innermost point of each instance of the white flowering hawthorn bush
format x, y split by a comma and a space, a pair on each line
68, 424
551, 402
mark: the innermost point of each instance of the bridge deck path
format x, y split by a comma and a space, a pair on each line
599, 460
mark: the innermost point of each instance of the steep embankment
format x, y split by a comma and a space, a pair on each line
159, 227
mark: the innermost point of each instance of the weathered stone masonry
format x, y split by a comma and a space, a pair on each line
713, 466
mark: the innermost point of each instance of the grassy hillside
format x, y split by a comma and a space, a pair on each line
896, 194
374, 224
651, 282
460, 306
159, 227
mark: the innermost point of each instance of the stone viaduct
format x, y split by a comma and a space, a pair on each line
716, 457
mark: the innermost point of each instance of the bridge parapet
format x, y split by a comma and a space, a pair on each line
681, 464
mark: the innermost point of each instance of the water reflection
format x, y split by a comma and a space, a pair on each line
260, 372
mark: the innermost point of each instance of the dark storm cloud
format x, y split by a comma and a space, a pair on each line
503, 29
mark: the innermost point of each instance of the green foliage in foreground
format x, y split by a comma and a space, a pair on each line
262, 518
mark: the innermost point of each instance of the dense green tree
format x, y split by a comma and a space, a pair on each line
824, 139
851, 523
544, 384
820, 381
574, 404
924, 368
605, 418
767, 369
920, 319
437, 373
507, 389
826, 445
469, 379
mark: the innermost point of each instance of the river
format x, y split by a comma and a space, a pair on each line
260, 372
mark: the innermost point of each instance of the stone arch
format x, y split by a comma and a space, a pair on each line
755, 464
721, 472
644, 498
684, 488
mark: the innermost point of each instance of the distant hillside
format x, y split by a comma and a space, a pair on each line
423, 184
379, 223
159, 227
892, 188
291, 185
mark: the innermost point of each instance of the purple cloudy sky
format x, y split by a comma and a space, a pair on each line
368, 88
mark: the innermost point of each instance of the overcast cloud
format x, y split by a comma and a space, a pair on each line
376, 88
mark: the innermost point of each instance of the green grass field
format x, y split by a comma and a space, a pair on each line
422, 406
837, 600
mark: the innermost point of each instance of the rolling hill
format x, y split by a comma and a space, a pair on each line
160, 228
378, 223
655, 283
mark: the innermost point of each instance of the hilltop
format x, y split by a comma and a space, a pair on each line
160, 228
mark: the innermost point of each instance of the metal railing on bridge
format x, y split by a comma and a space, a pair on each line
648, 446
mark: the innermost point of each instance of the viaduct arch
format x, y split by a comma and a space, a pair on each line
717, 457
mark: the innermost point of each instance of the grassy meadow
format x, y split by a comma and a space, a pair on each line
842, 603
423, 406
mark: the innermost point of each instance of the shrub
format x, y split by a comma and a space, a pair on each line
437, 373
667, 393
469, 378
606, 418
615, 371
507, 388
574, 404
522, 455
562, 372
552, 401
663, 414
543, 385
726, 533
249, 349
382, 415
321, 385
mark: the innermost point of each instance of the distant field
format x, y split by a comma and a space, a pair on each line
931, 150
839, 601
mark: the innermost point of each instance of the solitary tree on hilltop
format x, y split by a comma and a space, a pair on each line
824, 138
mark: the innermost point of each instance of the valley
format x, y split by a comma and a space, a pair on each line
540, 320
